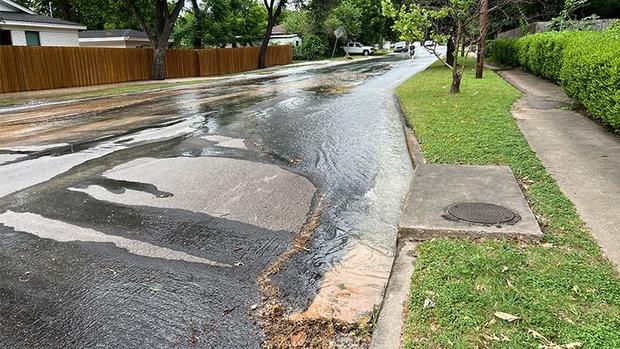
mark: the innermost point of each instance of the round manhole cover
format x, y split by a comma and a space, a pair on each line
482, 213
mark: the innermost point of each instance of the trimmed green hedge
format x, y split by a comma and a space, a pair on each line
585, 64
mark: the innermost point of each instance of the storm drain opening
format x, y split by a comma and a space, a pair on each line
482, 213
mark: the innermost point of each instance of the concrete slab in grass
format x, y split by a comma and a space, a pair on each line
436, 188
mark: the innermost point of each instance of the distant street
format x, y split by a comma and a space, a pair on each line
172, 218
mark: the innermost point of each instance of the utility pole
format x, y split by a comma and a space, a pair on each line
484, 27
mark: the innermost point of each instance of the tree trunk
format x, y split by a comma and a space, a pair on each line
457, 70
159, 61
463, 47
197, 39
262, 55
451, 49
457, 75
484, 26
158, 30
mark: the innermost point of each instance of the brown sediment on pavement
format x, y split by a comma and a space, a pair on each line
86, 120
283, 332
94, 116
74, 107
38, 133
26, 125
302, 240
353, 288
314, 333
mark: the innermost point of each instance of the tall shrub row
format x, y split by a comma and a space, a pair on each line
585, 64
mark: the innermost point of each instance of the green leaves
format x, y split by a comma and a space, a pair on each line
563, 291
585, 64
413, 22
348, 15
311, 48
224, 22
590, 74
387, 8
298, 22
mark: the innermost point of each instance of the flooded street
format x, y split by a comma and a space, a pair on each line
178, 218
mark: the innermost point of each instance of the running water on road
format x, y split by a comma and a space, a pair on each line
150, 220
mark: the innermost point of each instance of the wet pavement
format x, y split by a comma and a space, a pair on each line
153, 220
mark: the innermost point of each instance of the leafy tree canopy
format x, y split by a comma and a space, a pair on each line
94, 14
223, 22
348, 15
298, 22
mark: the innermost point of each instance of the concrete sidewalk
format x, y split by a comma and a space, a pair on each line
582, 156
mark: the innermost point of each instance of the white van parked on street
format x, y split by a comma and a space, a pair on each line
400, 46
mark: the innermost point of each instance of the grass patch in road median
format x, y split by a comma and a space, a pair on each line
563, 291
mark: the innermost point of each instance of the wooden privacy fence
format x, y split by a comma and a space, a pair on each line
24, 68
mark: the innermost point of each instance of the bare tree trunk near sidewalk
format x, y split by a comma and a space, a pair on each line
484, 27
159, 32
274, 10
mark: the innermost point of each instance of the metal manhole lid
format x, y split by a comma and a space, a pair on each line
480, 212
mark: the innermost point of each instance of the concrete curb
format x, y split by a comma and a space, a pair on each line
388, 329
413, 146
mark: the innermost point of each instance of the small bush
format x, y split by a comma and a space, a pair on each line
585, 64
523, 50
591, 74
311, 48
615, 27
503, 52
546, 53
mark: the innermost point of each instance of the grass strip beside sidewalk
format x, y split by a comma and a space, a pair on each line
562, 292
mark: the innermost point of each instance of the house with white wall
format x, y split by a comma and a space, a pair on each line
118, 38
20, 26
280, 37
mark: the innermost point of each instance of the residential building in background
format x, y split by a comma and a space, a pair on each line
117, 38
280, 37
20, 26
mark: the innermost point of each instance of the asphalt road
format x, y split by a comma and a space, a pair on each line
152, 220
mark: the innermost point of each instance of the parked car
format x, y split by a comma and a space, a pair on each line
429, 43
355, 48
400, 46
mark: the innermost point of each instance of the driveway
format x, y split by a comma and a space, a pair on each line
186, 217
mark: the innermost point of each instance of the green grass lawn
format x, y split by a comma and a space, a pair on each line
564, 292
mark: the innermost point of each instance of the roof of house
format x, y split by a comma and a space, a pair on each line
278, 29
16, 7
284, 36
113, 33
33, 18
